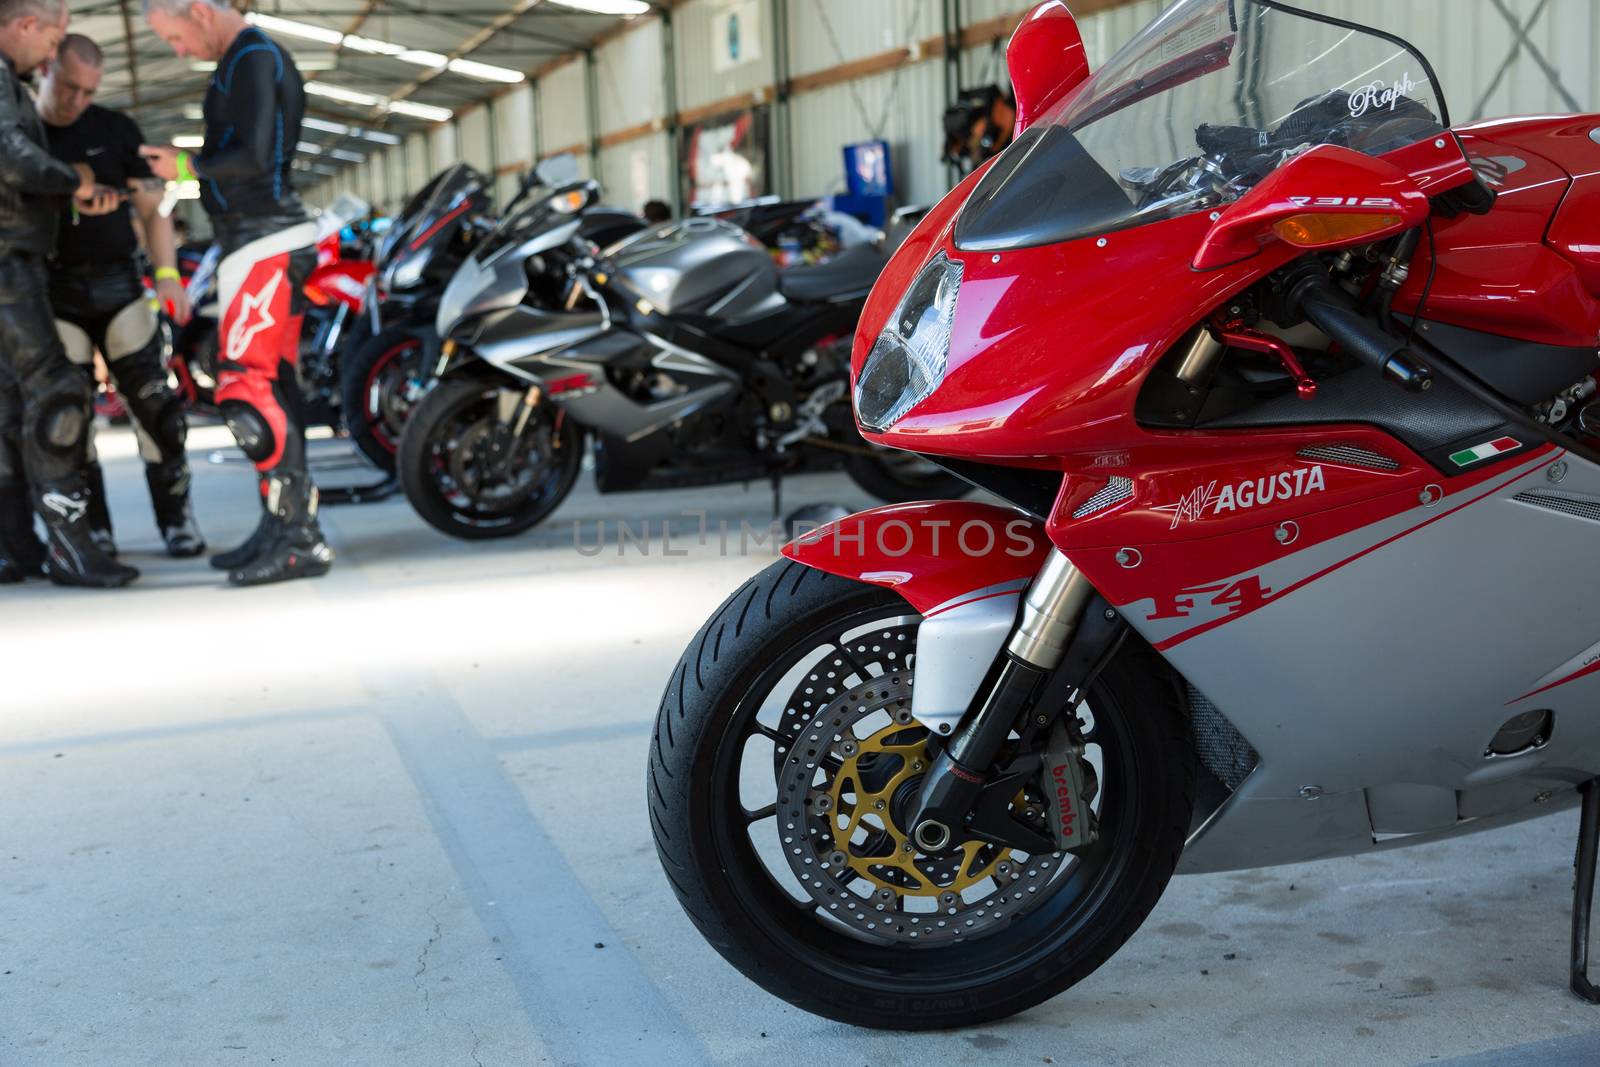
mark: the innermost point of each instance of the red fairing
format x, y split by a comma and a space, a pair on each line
936, 555
1051, 344
1530, 268
344, 281
1045, 59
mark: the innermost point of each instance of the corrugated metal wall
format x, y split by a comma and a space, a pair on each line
700, 82
628, 74
1495, 57
636, 171
563, 109
472, 140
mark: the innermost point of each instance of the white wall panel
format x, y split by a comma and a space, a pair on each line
636, 171
902, 106
442, 147
629, 75
563, 108
826, 33
699, 79
419, 162
472, 139
513, 123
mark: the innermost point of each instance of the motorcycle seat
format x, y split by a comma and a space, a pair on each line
849, 274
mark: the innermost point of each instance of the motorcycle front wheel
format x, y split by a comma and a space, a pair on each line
468, 476
785, 747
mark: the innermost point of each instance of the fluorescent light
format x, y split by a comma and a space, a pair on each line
374, 47
188, 140
194, 112
471, 68
348, 157
347, 96
606, 7
309, 149
420, 111
202, 66
324, 125
291, 28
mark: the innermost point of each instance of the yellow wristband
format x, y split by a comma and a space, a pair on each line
185, 167
168, 274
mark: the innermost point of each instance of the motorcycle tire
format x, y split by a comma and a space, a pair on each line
375, 395
442, 475
712, 832
899, 478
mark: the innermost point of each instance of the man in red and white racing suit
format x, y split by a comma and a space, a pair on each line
253, 109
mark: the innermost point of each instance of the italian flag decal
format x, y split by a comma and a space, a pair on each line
1488, 450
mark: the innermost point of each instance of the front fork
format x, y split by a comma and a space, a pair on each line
1050, 616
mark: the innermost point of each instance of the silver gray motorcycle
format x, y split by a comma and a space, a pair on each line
681, 352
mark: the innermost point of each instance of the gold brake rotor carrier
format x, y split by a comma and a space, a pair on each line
836, 803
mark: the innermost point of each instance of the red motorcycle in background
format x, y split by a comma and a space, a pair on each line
1290, 386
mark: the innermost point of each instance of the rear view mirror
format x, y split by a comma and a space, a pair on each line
1046, 60
1329, 197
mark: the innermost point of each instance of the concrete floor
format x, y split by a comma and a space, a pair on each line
396, 816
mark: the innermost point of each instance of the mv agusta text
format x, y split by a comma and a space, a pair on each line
1227, 331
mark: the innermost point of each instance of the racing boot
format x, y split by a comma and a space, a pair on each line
169, 493
18, 543
297, 548
99, 511
265, 531
73, 558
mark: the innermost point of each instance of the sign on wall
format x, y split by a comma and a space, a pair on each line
725, 158
735, 35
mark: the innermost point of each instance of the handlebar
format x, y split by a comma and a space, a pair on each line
1330, 311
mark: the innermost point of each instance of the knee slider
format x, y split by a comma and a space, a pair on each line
61, 423
250, 429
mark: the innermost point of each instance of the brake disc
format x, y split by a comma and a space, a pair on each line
845, 778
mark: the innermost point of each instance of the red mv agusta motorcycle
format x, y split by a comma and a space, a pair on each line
1288, 383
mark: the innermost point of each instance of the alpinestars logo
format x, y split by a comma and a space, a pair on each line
65, 506
1209, 501
255, 315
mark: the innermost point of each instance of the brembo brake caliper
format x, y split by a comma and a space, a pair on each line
1054, 651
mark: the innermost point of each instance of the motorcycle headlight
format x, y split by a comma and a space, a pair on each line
908, 360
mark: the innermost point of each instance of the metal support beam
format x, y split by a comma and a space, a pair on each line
133, 56
591, 92
782, 127
952, 69
494, 139
669, 75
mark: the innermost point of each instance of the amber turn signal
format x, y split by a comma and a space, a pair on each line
1319, 231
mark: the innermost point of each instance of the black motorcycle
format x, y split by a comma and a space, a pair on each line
682, 351
390, 363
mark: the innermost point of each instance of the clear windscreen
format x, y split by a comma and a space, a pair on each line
1206, 101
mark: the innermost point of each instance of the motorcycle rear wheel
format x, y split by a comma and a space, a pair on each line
444, 474
710, 836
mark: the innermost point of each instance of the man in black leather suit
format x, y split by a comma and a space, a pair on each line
44, 402
253, 109
98, 293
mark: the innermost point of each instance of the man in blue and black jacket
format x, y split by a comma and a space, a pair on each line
253, 108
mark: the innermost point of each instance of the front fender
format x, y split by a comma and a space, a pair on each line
961, 565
